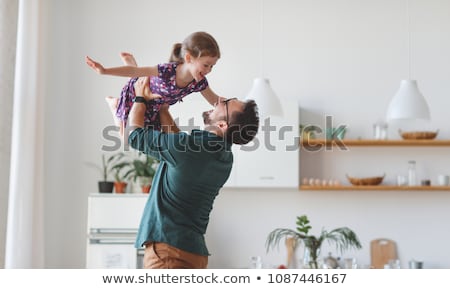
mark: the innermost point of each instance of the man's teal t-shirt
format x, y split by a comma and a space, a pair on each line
192, 170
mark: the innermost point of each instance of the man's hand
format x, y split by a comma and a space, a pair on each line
142, 88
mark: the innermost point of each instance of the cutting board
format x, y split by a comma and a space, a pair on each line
291, 244
381, 251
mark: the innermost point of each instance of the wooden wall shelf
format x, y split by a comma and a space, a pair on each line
311, 145
375, 188
374, 142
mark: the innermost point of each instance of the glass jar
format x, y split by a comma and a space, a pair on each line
412, 178
256, 262
310, 258
380, 130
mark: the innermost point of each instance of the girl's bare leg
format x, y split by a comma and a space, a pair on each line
112, 104
127, 59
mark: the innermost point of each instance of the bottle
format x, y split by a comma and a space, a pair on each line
412, 179
380, 130
256, 262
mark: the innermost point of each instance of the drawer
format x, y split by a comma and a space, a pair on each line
115, 211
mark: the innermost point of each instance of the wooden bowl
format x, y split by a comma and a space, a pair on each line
371, 181
410, 135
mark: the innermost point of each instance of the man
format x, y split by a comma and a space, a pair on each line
193, 168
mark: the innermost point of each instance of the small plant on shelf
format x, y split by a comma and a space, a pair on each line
120, 174
308, 131
144, 169
106, 169
140, 169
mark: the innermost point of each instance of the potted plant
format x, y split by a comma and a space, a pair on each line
142, 170
308, 132
106, 168
344, 239
120, 177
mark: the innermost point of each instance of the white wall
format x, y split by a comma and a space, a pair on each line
343, 58
8, 26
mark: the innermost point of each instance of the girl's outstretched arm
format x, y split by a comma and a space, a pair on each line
210, 96
126, 71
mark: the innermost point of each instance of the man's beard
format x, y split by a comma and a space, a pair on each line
206, 118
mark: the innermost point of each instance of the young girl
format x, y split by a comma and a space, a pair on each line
185, 73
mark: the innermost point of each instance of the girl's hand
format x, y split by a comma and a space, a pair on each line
95, 65
142, 88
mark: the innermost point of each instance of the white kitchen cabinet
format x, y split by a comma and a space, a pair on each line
113, 221
115, 211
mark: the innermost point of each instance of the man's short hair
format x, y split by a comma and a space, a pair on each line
243, 126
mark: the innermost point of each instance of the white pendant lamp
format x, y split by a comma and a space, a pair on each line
266, 99
261, 91
408, 103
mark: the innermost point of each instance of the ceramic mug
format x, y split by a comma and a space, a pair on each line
402, 180
443, 180
415, 264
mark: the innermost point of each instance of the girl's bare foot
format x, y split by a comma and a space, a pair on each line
112, 104
128, 59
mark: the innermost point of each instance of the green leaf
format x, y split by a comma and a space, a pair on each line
344, 238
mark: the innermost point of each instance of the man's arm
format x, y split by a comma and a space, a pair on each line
168, 125
168, 147
137, 112
136, 116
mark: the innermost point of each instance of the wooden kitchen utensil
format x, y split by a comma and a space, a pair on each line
381, 251
291, 244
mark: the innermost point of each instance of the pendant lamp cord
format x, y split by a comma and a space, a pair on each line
408, 25
261, 39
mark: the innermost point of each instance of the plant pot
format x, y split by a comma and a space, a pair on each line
145, 183
105, 187
119, 187
146, 189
